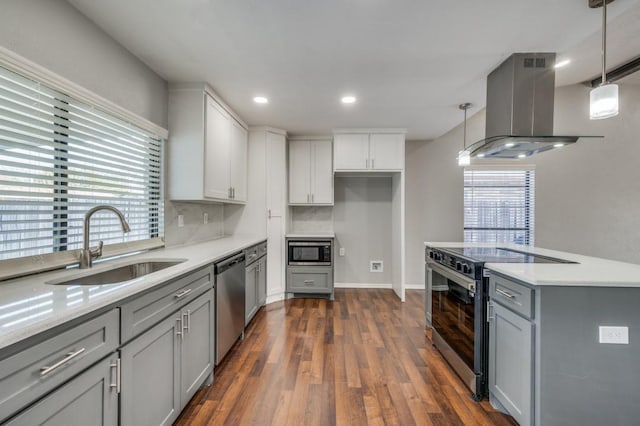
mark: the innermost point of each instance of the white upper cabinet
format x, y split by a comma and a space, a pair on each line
238, 164
310, 172
207, 147
368, 151
351, 152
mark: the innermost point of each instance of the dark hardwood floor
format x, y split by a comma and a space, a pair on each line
363, 359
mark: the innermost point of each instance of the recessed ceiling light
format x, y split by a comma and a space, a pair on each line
348, 99
522, 155
260, 100
509, 145
563, 63
480, 155
558, 145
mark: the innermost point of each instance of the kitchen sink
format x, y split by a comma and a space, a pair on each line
119, 274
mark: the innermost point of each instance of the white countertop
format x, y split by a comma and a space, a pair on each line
312, 235
588, 272
29, 306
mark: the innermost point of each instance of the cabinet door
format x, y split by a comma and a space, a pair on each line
216, 151
262, 281
150, 392
321, 173
351, 152
251, 292
238, 164
511, 362
88, 399
197, 349
299, 172
386, 151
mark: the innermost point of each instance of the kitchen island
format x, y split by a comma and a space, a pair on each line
550, 362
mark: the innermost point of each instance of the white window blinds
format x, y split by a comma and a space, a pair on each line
499, 206
58, 158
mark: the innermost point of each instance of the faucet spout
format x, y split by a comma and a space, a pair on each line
87, 254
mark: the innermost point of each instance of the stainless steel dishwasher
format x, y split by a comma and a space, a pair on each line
229, 303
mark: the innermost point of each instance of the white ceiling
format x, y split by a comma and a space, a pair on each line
409, 62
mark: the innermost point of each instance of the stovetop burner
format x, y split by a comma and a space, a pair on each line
501, 255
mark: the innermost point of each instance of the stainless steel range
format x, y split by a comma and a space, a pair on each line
456, 305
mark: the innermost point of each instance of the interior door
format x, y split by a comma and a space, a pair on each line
216, 151
276, 208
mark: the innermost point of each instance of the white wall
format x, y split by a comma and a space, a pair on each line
587, 195
53, 34
56, 36
362, 223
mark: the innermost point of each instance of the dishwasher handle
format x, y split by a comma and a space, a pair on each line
229, 263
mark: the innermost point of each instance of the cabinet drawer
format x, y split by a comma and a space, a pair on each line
143, 312
309, 282
516, 297
28, 375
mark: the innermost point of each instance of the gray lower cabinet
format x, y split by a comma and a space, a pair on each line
39, 369
197, 345
163, 367
262, 281
310, 279
91, 398
151, 375
251, 292
511, 362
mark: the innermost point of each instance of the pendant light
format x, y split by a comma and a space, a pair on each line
603, 100
464, 157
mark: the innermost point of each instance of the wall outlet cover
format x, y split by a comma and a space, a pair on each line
205, 218
341, 251
376, 266
614, 335
180, 220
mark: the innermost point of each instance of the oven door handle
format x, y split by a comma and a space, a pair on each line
454, 276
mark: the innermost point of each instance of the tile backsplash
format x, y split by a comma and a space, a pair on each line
311, 219
194, 229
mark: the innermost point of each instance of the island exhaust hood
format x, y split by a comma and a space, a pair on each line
519, 114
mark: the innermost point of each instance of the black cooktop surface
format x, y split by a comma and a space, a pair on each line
502, 255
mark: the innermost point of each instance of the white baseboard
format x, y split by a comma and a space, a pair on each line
275, 298
361, 285
414, 286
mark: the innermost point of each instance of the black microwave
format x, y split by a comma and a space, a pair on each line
309, 253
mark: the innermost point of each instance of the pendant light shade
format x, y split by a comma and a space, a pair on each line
464, 156
603, 100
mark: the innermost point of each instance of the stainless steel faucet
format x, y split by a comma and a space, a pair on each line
87, 254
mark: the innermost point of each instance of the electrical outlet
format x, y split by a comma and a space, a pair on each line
341, 251
614, 335
180, 220
205, 218
376, 266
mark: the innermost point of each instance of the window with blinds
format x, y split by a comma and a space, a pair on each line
499, 206
58, 158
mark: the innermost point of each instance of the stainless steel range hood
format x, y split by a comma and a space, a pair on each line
519, 115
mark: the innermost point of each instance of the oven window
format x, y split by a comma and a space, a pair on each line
453, 318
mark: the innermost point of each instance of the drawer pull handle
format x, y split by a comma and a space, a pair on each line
505, 293
308, 281
71, 355
118, 382
183, 293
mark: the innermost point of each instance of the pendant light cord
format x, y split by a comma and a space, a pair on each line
604, 42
